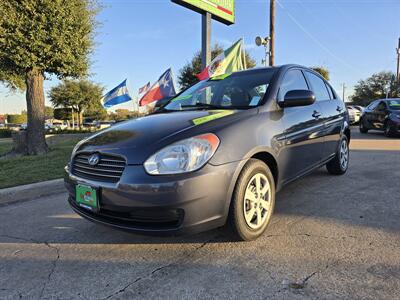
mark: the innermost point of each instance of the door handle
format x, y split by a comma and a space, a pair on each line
339, 109
316, 114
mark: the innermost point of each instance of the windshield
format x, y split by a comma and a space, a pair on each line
238, 90
394, 104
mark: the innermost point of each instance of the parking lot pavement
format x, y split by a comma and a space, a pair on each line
331, 237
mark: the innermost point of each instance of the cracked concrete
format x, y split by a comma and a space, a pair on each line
330, 238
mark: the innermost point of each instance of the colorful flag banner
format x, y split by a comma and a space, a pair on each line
117, 95
144, 88
229, 61
163, 88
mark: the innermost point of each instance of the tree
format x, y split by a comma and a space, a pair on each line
48, 112
187, 75
322, 71
39, 38
63, 114
375, 87
80, 95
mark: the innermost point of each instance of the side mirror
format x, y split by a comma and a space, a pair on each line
298, 98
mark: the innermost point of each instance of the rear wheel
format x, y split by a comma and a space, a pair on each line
253, 201
362, 127
339, 164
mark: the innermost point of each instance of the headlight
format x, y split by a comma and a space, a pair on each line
183, 156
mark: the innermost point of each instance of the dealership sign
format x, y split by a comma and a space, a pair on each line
221, 10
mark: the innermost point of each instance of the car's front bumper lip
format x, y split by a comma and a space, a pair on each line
175, 204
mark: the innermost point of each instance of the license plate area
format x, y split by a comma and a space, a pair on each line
87, 197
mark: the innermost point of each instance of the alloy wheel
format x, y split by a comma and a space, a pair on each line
344, 154
257, 201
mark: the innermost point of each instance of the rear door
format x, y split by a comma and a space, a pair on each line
303, 128
333, 111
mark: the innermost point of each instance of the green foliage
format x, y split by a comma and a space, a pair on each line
82, 95
123, 114
96, 111
321, 70
53, 36
49, 112
17, 119
64, 114
372, 88
187, 75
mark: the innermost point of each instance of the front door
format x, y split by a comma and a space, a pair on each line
379, 115
303, 130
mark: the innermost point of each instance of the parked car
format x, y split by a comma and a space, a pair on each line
383, 114
215, 154
359, 107
354, 114
104, 124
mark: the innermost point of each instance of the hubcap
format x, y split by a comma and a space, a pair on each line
257, 201
344, 155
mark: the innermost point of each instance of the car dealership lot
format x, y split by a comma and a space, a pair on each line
330, 237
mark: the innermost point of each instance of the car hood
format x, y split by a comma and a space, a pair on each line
140, 138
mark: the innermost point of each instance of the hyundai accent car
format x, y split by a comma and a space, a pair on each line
214, 155
383, 114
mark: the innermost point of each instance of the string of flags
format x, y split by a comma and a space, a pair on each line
228, 61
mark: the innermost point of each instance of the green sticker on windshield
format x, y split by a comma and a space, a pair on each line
215, 115
220, 77
181, 98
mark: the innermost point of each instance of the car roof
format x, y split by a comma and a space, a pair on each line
275, 68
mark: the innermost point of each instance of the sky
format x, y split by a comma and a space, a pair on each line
140, 39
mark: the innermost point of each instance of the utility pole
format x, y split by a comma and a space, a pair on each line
398, 63
344, 90
272, 32
205, 39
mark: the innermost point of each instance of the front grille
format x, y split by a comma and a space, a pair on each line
108, 169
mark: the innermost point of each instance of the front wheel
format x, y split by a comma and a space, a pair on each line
388, 130
253, 201
339, 164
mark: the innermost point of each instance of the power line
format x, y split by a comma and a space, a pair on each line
316, 41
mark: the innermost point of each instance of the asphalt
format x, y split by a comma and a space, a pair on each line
330, 238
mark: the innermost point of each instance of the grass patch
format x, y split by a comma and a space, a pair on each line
29, 169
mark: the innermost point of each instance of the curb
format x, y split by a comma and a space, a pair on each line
31, 191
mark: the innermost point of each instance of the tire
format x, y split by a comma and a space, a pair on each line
388, 130
340, 163
245, 199
362, 127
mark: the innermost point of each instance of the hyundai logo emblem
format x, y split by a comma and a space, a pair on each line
94, 159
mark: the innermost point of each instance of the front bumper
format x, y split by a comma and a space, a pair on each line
173, 204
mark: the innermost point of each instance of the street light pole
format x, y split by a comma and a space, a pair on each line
344, 89
398, 63
272, 32
205, 40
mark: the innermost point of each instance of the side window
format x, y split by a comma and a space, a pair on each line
293, 80
331, 95
318, 87
372, 105
381, 106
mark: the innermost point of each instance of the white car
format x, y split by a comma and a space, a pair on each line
354, 114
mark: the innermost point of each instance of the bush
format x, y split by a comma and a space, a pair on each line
72, 131
5, 133
17, 119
